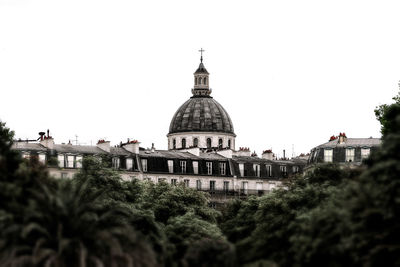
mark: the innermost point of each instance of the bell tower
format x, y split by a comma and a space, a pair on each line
201, 79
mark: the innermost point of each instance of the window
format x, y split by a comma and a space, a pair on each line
115, 163
295, 169
241, 169
212, 185
61, 162
222, 168
283, 170
205, 80
208, 142
195, 142
129, 164
226, 186
70, 161
42, 158
173, 143
220, 143
256, 168
349, 154
144, 165
195, 167
365, 153
79, 161
229, 143
183, 166
269, 170
64, 175
26, 155
209, 168
186, 182
199, 80
161, 180
170, 166
173, 181
259, 187
198, 184
328, 155
183, 143
245, 187
195, 81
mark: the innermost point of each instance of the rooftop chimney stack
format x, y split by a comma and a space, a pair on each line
342, 138
132, 146
46, 141
104, 145
268, 155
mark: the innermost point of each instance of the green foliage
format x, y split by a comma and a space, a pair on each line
209, 252
183, 231
170, 201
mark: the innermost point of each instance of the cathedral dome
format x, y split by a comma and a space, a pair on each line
201, 114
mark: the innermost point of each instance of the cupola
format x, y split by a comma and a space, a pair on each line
201, 79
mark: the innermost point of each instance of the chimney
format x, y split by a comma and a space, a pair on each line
152, 147
284, 154
243, 152
47, 142
342, 138
192, 150
267, 154
104, 145
132, 146
227, 153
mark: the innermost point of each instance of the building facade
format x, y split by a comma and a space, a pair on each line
201, 153
343, 150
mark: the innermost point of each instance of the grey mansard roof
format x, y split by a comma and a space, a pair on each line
352, 142
201, 114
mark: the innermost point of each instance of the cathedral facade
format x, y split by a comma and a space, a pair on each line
201, 153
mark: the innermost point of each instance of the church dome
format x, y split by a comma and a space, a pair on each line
201, 114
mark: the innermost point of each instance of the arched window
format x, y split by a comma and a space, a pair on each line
183, 143
229, 143
195, 81
220, 143
199, 80
174, 143
195, 142
208, 142
205, 80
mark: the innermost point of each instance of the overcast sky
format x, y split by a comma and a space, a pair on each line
289, 73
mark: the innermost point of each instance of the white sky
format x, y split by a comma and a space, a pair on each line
288, 72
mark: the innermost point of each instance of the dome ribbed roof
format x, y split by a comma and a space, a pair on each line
201, 114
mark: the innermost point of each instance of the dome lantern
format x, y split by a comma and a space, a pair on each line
201, 79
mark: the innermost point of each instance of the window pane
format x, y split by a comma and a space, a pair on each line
79, 161
70, 161
144, 165
42, 158
170, 166
61, 162
328, 153
129, 163
195, 167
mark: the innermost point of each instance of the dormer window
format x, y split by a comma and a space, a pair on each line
208, 142
195, 142
328, 155
350, 154
183, 143
365, 151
